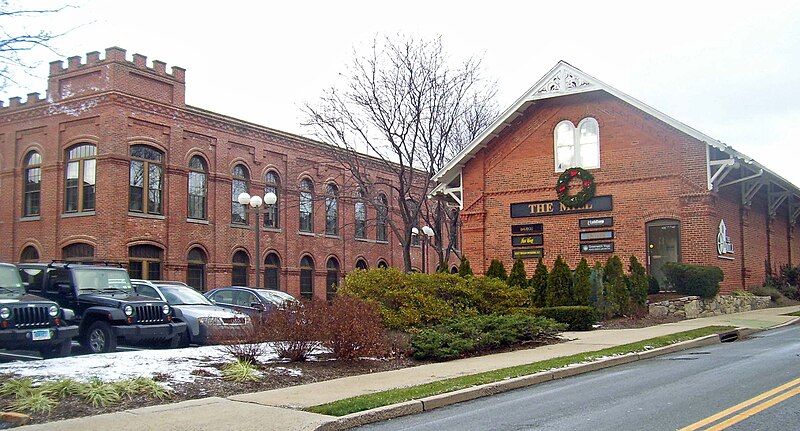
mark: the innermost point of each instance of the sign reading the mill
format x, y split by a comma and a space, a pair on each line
545, 208
528, 240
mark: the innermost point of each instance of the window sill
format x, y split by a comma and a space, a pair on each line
196, 220
150, 216
78, 214
271, 229
30, 218
327, 235
306, 233
240, 226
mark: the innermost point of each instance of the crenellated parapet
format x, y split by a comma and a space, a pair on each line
94, 75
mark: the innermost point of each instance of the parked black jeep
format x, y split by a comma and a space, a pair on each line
106, 307
29, 322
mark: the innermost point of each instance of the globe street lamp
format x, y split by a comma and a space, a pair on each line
427, 235
255, 203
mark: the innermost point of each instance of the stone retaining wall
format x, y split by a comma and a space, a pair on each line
692, 307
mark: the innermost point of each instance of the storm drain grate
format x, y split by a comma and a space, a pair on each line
728, 337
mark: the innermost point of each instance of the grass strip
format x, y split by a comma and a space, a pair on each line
796, 313
399, 395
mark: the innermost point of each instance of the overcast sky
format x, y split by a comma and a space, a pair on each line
730, 69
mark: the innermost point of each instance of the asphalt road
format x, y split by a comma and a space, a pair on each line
665, 393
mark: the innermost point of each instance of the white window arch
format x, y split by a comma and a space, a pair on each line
577, 147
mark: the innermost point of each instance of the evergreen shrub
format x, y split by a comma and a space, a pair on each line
497, 270
577, 317
697, 280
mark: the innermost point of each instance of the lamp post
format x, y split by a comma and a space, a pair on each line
255, 203
427, 234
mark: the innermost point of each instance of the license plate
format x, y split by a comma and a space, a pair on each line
40, 334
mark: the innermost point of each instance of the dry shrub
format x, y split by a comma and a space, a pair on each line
247, 345
294, 329
351, 329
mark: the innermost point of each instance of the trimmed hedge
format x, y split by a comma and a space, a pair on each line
697, 280
577, 317
463, 336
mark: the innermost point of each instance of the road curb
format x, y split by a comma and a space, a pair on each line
437, 401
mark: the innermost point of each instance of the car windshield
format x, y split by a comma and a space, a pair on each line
102, 279
271, 298
179, 295
10, 282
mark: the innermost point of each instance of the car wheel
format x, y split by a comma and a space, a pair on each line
183, 339
100, 339
59, 350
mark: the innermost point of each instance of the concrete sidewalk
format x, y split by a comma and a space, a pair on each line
278, 409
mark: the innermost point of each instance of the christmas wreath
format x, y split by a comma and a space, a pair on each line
582, 197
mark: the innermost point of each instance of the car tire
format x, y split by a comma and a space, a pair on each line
99, 338
183, 339
59, 350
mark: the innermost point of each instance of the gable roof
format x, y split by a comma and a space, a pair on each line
565, 79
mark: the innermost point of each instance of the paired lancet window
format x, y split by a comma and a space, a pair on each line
577, 146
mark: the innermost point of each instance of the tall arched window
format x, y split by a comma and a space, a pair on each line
33, 185
146, 180
240, 184
411, 205
307, 277
196, 270
79, 185
198, 188
577, 147
361, 264
306, 206
272, 268
332, 210
78, 252
241, 267
382, 264
331, 278
272, 183
383, 212
144, 261
29, 254
360, 213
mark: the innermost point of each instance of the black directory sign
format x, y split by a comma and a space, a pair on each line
596, 235
598, 247
529, 240
521, 229
546, 208
527, 253
586, 223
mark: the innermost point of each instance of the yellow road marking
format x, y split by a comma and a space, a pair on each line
740, 406
748, 413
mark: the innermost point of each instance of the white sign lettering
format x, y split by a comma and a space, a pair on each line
724, 245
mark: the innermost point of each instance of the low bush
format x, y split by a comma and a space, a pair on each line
697, 280
652, 285
240, 372
774, 294
468, 335
351, 329
578, 318
293, 329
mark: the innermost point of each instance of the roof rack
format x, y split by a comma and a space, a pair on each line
67, 263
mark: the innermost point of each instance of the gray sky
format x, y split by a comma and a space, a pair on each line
726, 68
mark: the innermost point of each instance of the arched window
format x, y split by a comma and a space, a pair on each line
307, 277
240, 184
272, 183
383, 212
144, 261
198, 188
79, 185
332, 210
272, 268
196, 270
33, 185
29, 254
331, 278
241, 267
382, 264
454, 270
78, 252
577, 147
146, 180
361, 264
411, 205
360, 210
306, 206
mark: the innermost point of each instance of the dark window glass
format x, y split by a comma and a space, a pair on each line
306, 206
307, 278
240, 185
146, 180
29, 254
361, 264
241, 267
196, 271
360, 210
198, 188
331, 278
272, 184
380, 224
79, 185
78, 252
382, 264
412, 212
332, 210
272, 267
144, 261
33, 184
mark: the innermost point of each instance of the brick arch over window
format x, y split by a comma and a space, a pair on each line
29, 254
145, 261
382, 264
78, 251
361, 263
307, 277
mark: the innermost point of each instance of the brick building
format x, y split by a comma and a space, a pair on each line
664, 191
114, 165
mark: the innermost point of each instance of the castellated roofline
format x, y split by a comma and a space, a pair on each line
116, 55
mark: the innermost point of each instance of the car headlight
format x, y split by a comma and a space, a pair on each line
5, 313
128, 310
53, 311
165, 309
210, 321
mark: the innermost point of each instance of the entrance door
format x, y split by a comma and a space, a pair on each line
663, 245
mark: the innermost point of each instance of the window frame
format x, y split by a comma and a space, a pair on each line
306, 194
151, 266
360, 216
272, 183
332, 277
331, 209
198, 168
381, 218
240, 269
240, 183
307, 277
196, 261
32, 190
272, 271
577, 144
81, 156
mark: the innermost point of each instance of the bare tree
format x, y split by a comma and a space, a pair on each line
410, 111
16, 39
